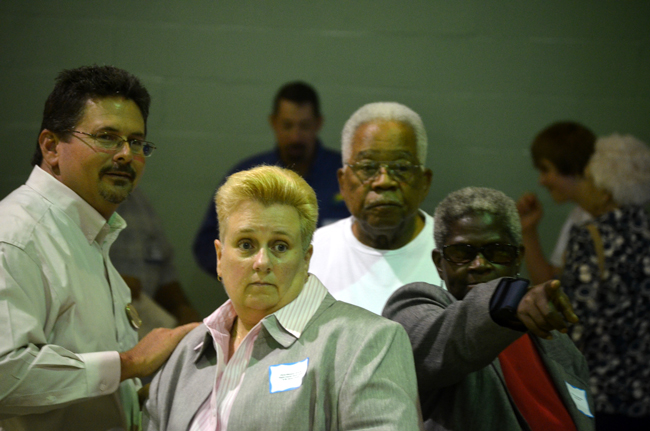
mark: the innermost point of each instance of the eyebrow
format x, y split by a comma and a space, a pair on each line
114, 130
370, 153
473, 244
276, 232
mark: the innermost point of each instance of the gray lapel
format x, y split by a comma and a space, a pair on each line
195, 386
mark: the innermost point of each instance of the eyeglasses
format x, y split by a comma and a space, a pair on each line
114, 142
501, 254
399, 170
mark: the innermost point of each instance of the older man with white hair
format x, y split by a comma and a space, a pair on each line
386, 242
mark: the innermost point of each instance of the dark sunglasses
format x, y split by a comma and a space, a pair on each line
501, 254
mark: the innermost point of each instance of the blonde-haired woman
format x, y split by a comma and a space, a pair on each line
282, 354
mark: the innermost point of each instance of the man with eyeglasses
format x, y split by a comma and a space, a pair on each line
68, 333
364, 258
491, 353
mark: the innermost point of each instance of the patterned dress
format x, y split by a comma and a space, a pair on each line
614, 308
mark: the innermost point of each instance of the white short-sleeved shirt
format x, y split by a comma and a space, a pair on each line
365, 276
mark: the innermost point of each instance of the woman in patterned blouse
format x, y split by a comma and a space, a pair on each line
607, 275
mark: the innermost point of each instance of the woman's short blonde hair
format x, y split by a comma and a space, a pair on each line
269, 185
621, 165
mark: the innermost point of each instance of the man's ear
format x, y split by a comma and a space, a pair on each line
272, 121
516, 265
49, 143
437, 261
520, 258
319, 123
427, 175
340, 175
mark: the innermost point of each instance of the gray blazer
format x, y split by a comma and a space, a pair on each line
360, 376
456, 344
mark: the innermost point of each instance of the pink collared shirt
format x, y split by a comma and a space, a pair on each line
214, 412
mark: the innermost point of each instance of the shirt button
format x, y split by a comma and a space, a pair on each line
102, 386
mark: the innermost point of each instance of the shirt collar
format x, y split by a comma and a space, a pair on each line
93, 225
285, 325
218, 326
294, 316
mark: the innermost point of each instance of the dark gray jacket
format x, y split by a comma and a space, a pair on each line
456, 344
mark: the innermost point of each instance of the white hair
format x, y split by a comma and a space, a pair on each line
474, 200
391, 111
621, 165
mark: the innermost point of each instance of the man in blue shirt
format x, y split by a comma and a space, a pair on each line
296, 120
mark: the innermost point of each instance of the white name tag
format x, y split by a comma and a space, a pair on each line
285, 377
580, 399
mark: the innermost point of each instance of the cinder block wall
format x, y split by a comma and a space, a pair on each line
484, 75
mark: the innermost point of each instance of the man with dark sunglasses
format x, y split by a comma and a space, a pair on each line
486, 359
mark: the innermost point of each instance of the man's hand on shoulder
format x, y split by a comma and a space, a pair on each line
545, 307
152, 351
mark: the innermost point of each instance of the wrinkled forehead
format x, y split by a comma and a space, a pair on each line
478, 229
384, 137
250, 215
111, 113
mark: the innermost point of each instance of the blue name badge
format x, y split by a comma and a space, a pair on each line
285, 377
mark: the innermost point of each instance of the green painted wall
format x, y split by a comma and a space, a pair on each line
484, 75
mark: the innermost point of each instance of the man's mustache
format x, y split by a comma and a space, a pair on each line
124, 169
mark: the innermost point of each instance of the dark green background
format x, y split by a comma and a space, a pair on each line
484, 75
